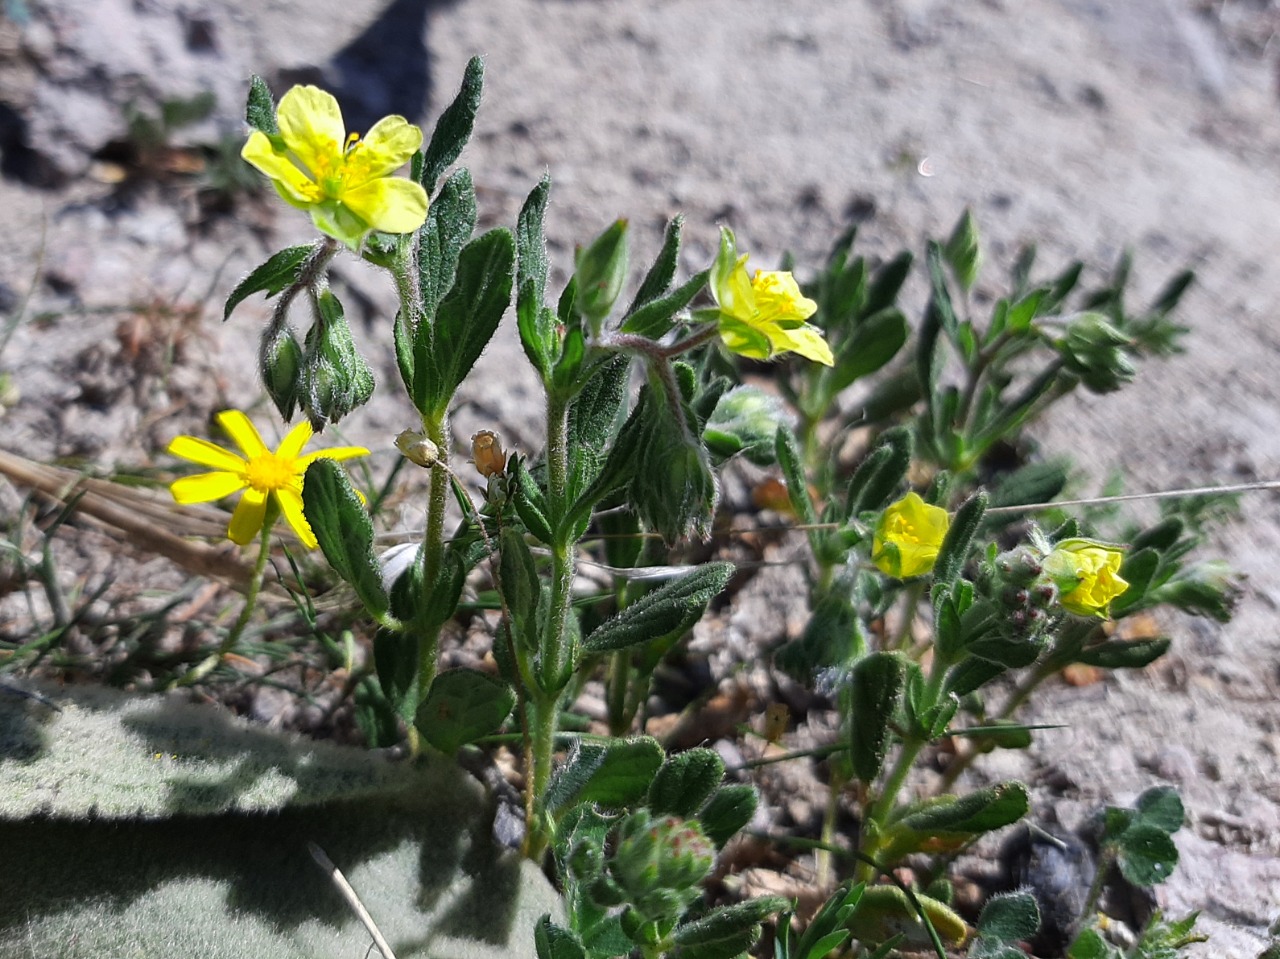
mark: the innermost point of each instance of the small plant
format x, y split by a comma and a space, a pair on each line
937, 606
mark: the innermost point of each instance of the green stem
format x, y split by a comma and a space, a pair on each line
619, 679
437, 431
878, 814
210, 662
555, 640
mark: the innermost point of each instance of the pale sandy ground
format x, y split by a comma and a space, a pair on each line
1082, 125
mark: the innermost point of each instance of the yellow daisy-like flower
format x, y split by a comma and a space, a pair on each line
908, 537
259, 472
1088, 574
343, 181
763, 315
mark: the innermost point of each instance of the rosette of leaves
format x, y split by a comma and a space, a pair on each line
636, 834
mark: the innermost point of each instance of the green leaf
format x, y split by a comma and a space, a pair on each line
887, 282
344, 532
521, 587
280, 271
789, 460
834, 636
260, 110
453, 129
875, 685
657, 317
873, 343
529, 501
535, 322
963, 251
982, 811
594, 419
395, 658
553, 942
728, 931
972, 674
1090, 945
1033, 483
955, 545
470, 313
685, 782
878, 476
658, 280
450, 223
1009, 917
727, 811
1123, 653
1161, 807
614, 774
1146, 854
462, 706
672, 608
1138, 570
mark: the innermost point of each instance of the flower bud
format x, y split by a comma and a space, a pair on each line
600, 270
337, 377
280, 366
487, 453
659, 864
746, 421
417, 448
1094, 350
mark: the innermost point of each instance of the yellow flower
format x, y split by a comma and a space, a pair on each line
344, 182
908, 537
764, 315
259, 472
1087, 573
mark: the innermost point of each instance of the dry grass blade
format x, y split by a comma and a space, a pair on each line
144, 518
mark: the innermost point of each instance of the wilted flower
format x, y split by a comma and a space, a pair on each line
259, 472
908, 537
763, 315
343, 181
1087, 573
487, 453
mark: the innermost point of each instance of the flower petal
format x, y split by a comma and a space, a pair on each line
205, 487
806, 340
290, 182
290, 501
311, 125
743, 339
246, 436
293, 442
386, 148
205, 453
389, 205
246, 521
335, 453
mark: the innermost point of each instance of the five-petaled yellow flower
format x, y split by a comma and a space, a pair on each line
259, 472
908, 537
1088, 574
343, 181
763, 315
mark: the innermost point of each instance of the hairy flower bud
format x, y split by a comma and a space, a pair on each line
1095, 351
659, 864
600, 270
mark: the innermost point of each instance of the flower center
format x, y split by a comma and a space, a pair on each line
268, 473
904, 531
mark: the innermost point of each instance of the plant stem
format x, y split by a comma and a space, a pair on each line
555, 639
210, 662
878, 814
437, 431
